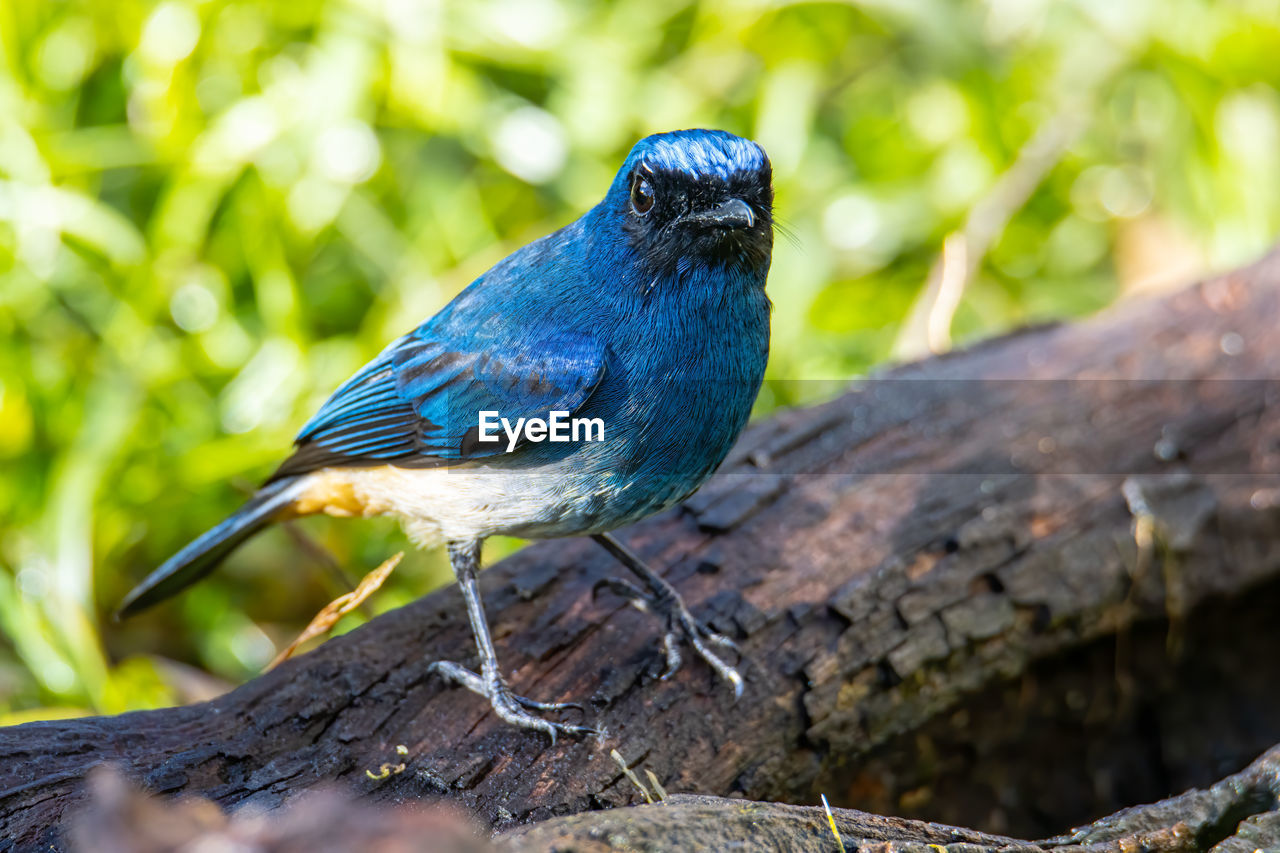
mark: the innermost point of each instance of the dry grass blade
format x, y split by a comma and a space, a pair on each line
831, 822
339, 607
631, 774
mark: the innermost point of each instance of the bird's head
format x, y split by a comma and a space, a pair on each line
696, 197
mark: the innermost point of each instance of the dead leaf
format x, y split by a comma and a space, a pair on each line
339, 607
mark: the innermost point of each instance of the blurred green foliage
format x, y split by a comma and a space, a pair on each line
211, 212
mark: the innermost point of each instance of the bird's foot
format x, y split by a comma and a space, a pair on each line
507, 704
681, 625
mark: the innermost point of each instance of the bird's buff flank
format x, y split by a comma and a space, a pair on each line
647, 317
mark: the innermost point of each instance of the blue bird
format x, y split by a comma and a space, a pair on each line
645, 320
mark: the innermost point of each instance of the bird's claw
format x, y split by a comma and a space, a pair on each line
509, 705
515, 710
625, 589
681, 624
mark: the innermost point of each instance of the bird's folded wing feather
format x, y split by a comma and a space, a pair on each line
417, 404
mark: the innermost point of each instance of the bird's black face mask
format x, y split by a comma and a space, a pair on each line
675, 219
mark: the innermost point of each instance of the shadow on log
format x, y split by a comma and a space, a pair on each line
996, 588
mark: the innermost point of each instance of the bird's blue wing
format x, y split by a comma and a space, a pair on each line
417, 404
448, 389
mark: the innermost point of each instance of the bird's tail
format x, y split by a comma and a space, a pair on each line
204, 553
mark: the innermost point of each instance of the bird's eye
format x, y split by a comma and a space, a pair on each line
641, 195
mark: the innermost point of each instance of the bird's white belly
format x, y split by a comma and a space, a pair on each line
462, 504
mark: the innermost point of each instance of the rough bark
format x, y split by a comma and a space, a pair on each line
1033, 542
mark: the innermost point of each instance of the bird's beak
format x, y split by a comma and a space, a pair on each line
734, 213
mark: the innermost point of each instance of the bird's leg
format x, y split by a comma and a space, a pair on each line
662, 599
464, 557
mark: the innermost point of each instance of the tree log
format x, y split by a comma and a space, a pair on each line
949, 584
1237, 815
